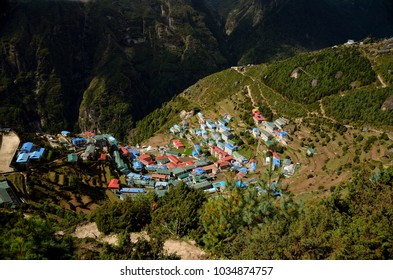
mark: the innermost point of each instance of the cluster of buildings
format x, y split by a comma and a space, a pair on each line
29, 153
213, 145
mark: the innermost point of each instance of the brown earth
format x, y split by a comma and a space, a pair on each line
186, 250
8, 148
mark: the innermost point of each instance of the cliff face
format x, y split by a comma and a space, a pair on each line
103, 65
98, 64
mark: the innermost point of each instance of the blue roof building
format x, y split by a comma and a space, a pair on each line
253, 166
27, 147
218, 185
78, 141
65, 133
240, 184
276, 162
36, 155
23, 158
132, 190
137, 165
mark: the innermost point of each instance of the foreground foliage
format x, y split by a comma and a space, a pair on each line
32, 238
355, 222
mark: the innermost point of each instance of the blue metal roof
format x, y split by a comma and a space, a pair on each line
37, 154
221, 184
161, 184
240, 184
22, 158
132, 190
231, 147
27, 147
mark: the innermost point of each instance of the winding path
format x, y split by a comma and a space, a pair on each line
382, 82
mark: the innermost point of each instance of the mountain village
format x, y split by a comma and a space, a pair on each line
203, 153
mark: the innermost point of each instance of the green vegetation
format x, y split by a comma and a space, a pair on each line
320, 74
124, 216
32, 238
177, 212
361, 107
353, 223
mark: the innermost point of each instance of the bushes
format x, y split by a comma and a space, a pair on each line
129, 215
360, 106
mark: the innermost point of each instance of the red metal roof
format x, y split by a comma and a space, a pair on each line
125, 151
102, 157
173, 159
178, 143
159, 176
160, 157
259, 118
228, 158
145, 157
89, 134
114, 184
171, 165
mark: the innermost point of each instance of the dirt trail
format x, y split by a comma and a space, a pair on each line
382, 82
186, 250
323, 112
259, 87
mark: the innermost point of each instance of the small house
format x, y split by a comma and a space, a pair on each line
72, 158
114, 184
280, 123
210, 124
230, 148
265, 136
255, 132
178, 144
270, 127
226, 135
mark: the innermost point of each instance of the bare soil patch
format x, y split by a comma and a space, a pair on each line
186, 250
8, 148
157, 140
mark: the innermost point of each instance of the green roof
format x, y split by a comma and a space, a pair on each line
163, 171
189, 167
178, 171
6, 194
202, 185
183, 176
269, 143
173, 182
90, 149
72, 157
